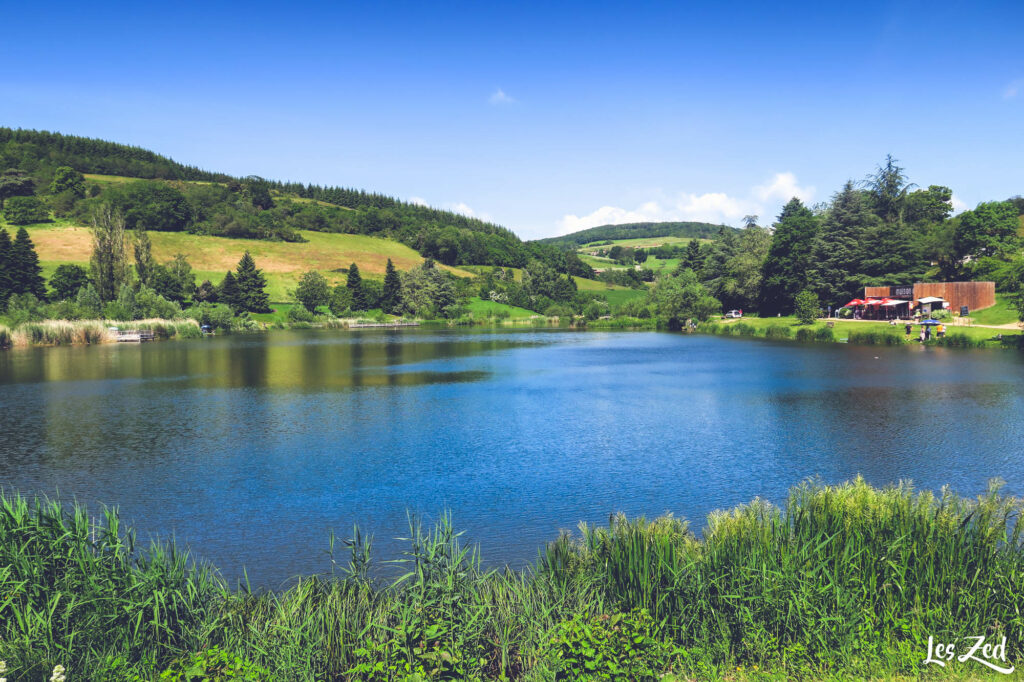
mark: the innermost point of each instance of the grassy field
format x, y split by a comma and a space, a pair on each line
641, 242
582, 283
1003, 312
479, 308
282, 263
838, 583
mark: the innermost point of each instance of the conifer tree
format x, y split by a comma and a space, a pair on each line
228, 292
784, 273
354, 284
6, 283
252, 286
24, 267
693, 255
840, 249
391, 298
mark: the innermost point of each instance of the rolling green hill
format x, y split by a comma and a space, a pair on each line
631, 231
282, 262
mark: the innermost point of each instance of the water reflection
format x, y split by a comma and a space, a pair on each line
253, 448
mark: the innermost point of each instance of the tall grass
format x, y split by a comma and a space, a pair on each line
184, 328
6, 338
60, 333
838, 581
874, 337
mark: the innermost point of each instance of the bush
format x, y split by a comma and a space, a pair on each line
806, 306
778, 331
614, 647
959, 340
825, 335
24, 211
216, 315
298, 313
873, 337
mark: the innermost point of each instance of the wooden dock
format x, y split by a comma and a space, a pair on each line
133, 336
387, 325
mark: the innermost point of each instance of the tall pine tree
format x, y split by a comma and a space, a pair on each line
354, 284
24, 267
391, 297
252, 286
228, 292
784, 273
837, 271
6, 283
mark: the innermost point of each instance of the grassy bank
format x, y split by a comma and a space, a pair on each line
839, 583
84, 332
859, 333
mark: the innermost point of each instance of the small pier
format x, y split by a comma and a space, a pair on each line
133, 336
365, 325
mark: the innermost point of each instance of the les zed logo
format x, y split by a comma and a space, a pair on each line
980, 652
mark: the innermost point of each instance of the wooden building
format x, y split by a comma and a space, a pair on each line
974, 295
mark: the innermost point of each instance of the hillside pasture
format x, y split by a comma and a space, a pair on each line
282, 262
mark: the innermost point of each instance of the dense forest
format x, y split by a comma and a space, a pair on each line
638, 231
170, 196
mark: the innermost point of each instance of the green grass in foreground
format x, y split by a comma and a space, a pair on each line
843, 582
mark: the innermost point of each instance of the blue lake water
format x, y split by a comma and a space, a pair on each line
251, 449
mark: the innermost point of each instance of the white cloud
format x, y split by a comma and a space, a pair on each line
958, 206
499, 97
711, 207
784, 187
418, 201
1013, 89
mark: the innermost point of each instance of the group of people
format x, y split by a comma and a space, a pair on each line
926, 330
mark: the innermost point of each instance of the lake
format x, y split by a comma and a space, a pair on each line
251, 449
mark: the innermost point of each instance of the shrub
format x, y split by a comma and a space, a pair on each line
959, 340
872, 337
24, 211
216, 315
778, 331
613, 647
299, 313
805, 334
743, 329
825, 335
806, 306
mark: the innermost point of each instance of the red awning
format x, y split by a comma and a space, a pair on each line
854, 302
873, 301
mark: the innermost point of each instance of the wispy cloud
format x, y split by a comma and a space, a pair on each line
499, 97
1013, 89
711, 207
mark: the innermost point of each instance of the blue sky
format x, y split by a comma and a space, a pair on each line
542, 118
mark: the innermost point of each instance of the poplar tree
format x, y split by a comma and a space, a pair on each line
354, 284
391, 298
109, 262
143, 249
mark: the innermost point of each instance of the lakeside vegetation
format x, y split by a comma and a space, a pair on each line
841, 582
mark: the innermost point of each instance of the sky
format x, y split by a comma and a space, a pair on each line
545, 118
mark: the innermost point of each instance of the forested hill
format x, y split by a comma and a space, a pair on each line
692, 230
167, 195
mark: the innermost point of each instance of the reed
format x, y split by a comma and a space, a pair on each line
839, 581
873, 337
6, 337
60, 333
778, 331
